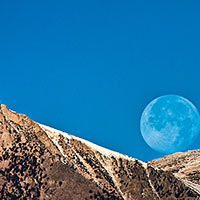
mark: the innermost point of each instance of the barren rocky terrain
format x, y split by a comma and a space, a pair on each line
184, 165
39, 162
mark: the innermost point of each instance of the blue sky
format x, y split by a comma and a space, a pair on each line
90, 67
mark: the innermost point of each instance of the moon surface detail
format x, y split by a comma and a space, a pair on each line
170, 123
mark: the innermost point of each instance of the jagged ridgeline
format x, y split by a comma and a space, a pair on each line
39, 162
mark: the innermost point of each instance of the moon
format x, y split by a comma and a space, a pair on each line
170, 123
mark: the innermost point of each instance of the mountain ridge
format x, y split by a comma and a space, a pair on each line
39, 162
184, 166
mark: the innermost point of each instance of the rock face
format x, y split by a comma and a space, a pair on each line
39, 162
184, 165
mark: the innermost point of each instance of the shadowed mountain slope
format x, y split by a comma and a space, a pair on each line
39, 162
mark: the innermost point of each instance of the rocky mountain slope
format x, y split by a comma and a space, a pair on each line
184, 165
39, 162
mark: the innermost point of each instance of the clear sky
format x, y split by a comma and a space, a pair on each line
90, 67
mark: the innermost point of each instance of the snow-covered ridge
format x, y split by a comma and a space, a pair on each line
53, 134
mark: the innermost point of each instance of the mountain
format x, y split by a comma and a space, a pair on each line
39, 162
184, 165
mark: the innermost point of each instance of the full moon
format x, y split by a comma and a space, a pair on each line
170, 123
